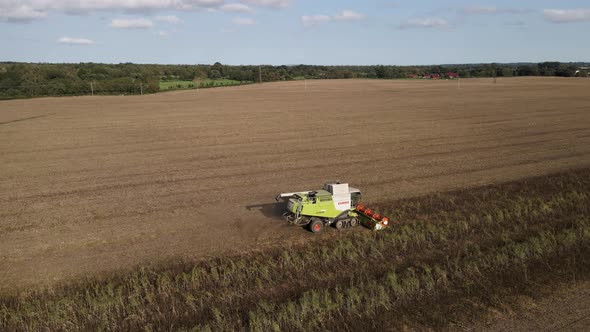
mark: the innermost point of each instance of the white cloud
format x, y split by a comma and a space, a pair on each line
23, 10
343, 16
131, 23
168, 19
162, 33
206, 3
236, 8
349, 15
75, 41
276, 4
482, 10
243, 21
567, 15
315, 20
425, 23
19, 13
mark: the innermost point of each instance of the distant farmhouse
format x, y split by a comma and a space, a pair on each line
583, 71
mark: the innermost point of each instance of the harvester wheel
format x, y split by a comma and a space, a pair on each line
339, 224
316, 225
354, 222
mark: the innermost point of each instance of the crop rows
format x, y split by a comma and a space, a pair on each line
448, 257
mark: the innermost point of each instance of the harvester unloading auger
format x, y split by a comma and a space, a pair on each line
336, 204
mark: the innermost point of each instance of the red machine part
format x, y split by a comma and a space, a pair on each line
372, 214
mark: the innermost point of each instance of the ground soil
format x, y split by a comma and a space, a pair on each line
90, 185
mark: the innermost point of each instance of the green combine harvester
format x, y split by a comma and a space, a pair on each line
337, 204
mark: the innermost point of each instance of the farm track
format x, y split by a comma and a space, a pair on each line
94, 184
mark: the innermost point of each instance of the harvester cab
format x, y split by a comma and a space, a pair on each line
336, 204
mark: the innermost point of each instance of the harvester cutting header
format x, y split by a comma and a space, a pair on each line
336, 204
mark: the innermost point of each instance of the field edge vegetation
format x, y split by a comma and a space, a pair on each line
448, 259
26, 80
177, 84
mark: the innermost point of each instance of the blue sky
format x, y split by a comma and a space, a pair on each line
294, 31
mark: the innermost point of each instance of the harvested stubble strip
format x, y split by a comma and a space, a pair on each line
469, 249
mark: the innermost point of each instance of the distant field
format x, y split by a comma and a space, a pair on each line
204, 83
89, 185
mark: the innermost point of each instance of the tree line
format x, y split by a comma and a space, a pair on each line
44, 79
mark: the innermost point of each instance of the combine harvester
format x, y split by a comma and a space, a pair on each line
337, 204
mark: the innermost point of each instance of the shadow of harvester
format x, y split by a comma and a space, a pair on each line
270, 210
